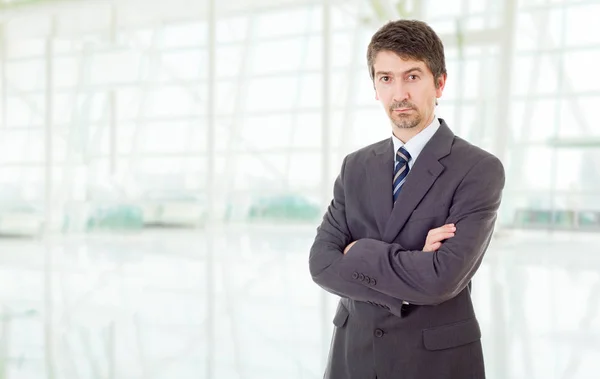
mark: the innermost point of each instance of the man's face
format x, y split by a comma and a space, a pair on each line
406, 90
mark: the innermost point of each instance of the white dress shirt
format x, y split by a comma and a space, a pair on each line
415, 145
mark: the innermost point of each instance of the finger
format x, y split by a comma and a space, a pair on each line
435, 246
445, 227
435, 231
440, 237
442, 230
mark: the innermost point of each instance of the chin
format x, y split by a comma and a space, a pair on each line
404, 123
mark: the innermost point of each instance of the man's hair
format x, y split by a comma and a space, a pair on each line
409, 39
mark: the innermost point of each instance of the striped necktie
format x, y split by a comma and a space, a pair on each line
400, 171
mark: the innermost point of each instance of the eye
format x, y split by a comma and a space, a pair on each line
385, 78
412, 77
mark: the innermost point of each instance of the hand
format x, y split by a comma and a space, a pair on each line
437, 235
348, 247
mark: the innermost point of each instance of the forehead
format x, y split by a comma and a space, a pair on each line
386, 60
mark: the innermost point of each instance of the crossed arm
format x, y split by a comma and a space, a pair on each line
430, 276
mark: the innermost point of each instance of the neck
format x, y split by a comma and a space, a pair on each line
405, 134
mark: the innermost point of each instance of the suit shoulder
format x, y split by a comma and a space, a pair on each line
477, 161
471, 153
365, 152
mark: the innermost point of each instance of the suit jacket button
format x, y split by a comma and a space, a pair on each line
378, 333
361, 277
355, 275
373, 282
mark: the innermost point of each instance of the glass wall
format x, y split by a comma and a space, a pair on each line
112, 130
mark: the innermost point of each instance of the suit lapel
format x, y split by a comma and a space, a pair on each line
421, 177
380, 170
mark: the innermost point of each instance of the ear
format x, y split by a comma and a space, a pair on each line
376, 94
441, 81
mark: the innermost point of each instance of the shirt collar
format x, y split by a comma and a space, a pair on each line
415, 145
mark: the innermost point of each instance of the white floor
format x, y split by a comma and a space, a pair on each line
238, 303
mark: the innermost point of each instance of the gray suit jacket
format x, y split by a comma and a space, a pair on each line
437, 336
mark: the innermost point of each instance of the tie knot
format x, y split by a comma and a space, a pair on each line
402, 156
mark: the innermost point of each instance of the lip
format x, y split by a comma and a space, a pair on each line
402, 110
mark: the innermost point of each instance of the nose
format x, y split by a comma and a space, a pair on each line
401, 93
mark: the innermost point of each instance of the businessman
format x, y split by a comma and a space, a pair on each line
409, 223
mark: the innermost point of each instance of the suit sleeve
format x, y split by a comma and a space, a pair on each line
429, 278
327, 252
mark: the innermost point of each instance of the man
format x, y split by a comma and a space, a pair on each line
410, 221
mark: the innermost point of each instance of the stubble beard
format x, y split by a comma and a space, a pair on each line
406, 121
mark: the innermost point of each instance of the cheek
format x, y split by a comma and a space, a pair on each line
382, 92
387, 103
385, 97
382, 98
425, 99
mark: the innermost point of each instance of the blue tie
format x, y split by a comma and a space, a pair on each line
400, 171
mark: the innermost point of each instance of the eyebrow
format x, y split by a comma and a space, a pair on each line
379, 73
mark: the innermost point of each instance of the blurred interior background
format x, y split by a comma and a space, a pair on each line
164, 166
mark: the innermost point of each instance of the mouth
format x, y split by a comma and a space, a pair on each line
402, 110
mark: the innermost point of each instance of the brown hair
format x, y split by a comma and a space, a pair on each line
410, 39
